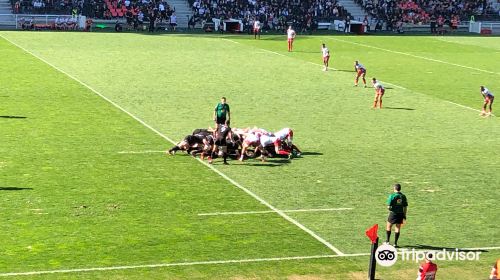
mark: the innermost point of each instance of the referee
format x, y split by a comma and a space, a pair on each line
397, 205
222, 114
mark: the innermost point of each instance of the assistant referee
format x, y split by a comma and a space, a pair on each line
397, 206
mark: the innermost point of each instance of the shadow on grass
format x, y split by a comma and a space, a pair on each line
343, 70
400, 108
311, 154
438, 248
13, 189
12, 117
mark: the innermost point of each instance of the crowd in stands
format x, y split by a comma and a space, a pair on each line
273, 14
136, 12
423, 11
276, 15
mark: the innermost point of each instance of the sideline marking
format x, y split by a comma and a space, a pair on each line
466, 107
265, 212
176, 264
202, 263
262, 201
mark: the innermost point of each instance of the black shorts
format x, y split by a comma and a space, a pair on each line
395, 218
221, 121
220, 141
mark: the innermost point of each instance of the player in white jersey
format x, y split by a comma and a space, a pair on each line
251, 140
360, 72
488, 101
291, 35
256, 28
285, 134
379, 92
326, 56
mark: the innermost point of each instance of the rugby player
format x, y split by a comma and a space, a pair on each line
256, 28
326, 56
488, 101
379, 93
427, 270
220, 142
291, 36
360, 72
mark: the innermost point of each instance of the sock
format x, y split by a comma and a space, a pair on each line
388, 233
396, 237
283, 152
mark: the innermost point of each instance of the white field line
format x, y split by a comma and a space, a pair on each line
232, 41
107, 268
417, 56
466, 107
140, 152
252, 194
266, 212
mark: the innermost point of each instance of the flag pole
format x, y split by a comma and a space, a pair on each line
373, 263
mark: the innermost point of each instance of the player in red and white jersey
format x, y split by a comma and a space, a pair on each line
488, 101
291, 36
251, 140
285, 134
360, 72
326, 56
379, 93
266, 140
427, 271
256, 28
259, 131
495, 271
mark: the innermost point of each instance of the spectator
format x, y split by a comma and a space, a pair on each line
173, 21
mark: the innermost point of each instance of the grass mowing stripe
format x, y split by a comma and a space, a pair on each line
252, 194
177, 264
417, 56
266, 212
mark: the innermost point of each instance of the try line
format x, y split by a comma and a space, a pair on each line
236, 184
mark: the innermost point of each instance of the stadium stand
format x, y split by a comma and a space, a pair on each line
273, 14
422, 11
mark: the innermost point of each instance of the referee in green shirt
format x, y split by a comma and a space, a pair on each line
222, 114
397, 205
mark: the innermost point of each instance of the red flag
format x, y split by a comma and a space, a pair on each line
372, 233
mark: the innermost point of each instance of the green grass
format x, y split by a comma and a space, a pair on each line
95, 207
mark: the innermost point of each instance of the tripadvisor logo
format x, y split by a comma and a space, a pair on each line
387, 255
